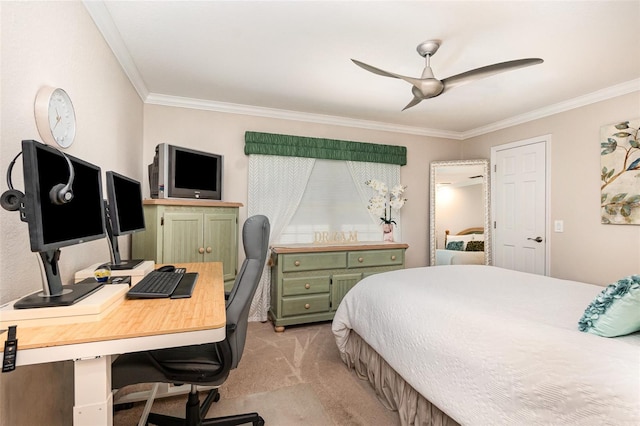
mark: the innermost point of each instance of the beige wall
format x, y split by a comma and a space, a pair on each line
587, 250
224, 134
57, 44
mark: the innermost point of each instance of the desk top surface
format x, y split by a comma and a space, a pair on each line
205, 309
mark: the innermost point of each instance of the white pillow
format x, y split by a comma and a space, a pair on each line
478, 237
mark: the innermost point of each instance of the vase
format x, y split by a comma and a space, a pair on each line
387, 232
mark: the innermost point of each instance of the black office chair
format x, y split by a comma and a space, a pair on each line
207, 364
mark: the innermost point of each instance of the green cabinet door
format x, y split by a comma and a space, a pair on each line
340, 285
183, 237
190, 233
220, 231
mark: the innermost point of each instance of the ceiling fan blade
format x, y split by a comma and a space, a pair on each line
415, 101
489, 70
410, 80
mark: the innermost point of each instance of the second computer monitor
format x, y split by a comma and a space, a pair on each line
125, 214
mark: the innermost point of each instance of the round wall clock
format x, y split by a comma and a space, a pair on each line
55, 117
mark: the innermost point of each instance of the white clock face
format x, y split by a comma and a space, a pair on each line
62, 118
55, 117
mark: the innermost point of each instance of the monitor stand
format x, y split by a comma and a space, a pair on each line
125, 264
71, 293
53, 292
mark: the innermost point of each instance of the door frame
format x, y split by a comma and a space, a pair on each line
546, 139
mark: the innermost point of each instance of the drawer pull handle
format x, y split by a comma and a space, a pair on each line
208, 249
393, 258
307, 306
201, 250
307, 286
297, 263
361, 259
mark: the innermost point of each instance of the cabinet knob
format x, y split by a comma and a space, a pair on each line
209, 250
393, 257
361, 259
307, 306
297, 263
307, 286
201, 250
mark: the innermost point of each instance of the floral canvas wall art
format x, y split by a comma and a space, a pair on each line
620, 172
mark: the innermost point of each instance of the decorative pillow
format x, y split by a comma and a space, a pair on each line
464, 238
475, 246
455, 245
615, 311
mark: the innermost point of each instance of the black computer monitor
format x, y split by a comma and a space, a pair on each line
124, 215
55, 223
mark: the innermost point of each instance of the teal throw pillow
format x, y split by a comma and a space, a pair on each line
475, 246
455, 245
615, 311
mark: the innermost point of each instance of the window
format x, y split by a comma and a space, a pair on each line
331, 208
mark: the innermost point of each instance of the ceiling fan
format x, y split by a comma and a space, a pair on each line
428, 86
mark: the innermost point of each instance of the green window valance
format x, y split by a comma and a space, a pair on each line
330, 149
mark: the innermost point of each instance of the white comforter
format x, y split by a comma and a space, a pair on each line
457, 257
491, 346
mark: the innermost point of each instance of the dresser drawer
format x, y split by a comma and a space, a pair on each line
305, 305
306, 285
313, 261
360, 259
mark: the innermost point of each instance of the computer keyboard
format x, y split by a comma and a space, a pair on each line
155, 284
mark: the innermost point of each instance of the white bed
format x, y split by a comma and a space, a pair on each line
457, 257
481, 345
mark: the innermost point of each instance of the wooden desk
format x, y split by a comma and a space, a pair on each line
135, 325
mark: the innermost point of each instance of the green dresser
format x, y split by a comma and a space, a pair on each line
308, 281
183, 231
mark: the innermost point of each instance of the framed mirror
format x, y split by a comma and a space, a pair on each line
459, 225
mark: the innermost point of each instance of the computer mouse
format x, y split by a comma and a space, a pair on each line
166, 268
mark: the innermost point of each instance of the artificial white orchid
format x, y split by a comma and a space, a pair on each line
385, 200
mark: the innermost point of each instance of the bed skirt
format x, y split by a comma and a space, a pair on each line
392, 390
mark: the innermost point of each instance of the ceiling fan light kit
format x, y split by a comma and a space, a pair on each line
427, 86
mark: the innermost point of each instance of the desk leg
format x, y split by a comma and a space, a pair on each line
93, 404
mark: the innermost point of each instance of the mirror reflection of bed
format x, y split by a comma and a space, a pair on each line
460, 206
463, 248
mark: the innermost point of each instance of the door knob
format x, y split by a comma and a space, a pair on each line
536, 239
201, 250
208, 249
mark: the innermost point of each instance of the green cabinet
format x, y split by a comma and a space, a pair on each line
309, 281
179, 231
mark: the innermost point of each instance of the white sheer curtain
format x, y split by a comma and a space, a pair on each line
362, 171
276, 185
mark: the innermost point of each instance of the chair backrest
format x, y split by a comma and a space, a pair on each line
255, 238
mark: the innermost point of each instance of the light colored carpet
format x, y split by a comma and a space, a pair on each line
290, 378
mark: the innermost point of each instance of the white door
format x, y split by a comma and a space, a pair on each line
520, 205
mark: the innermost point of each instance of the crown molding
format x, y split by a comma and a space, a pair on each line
580, 101
181, 102
102, 18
